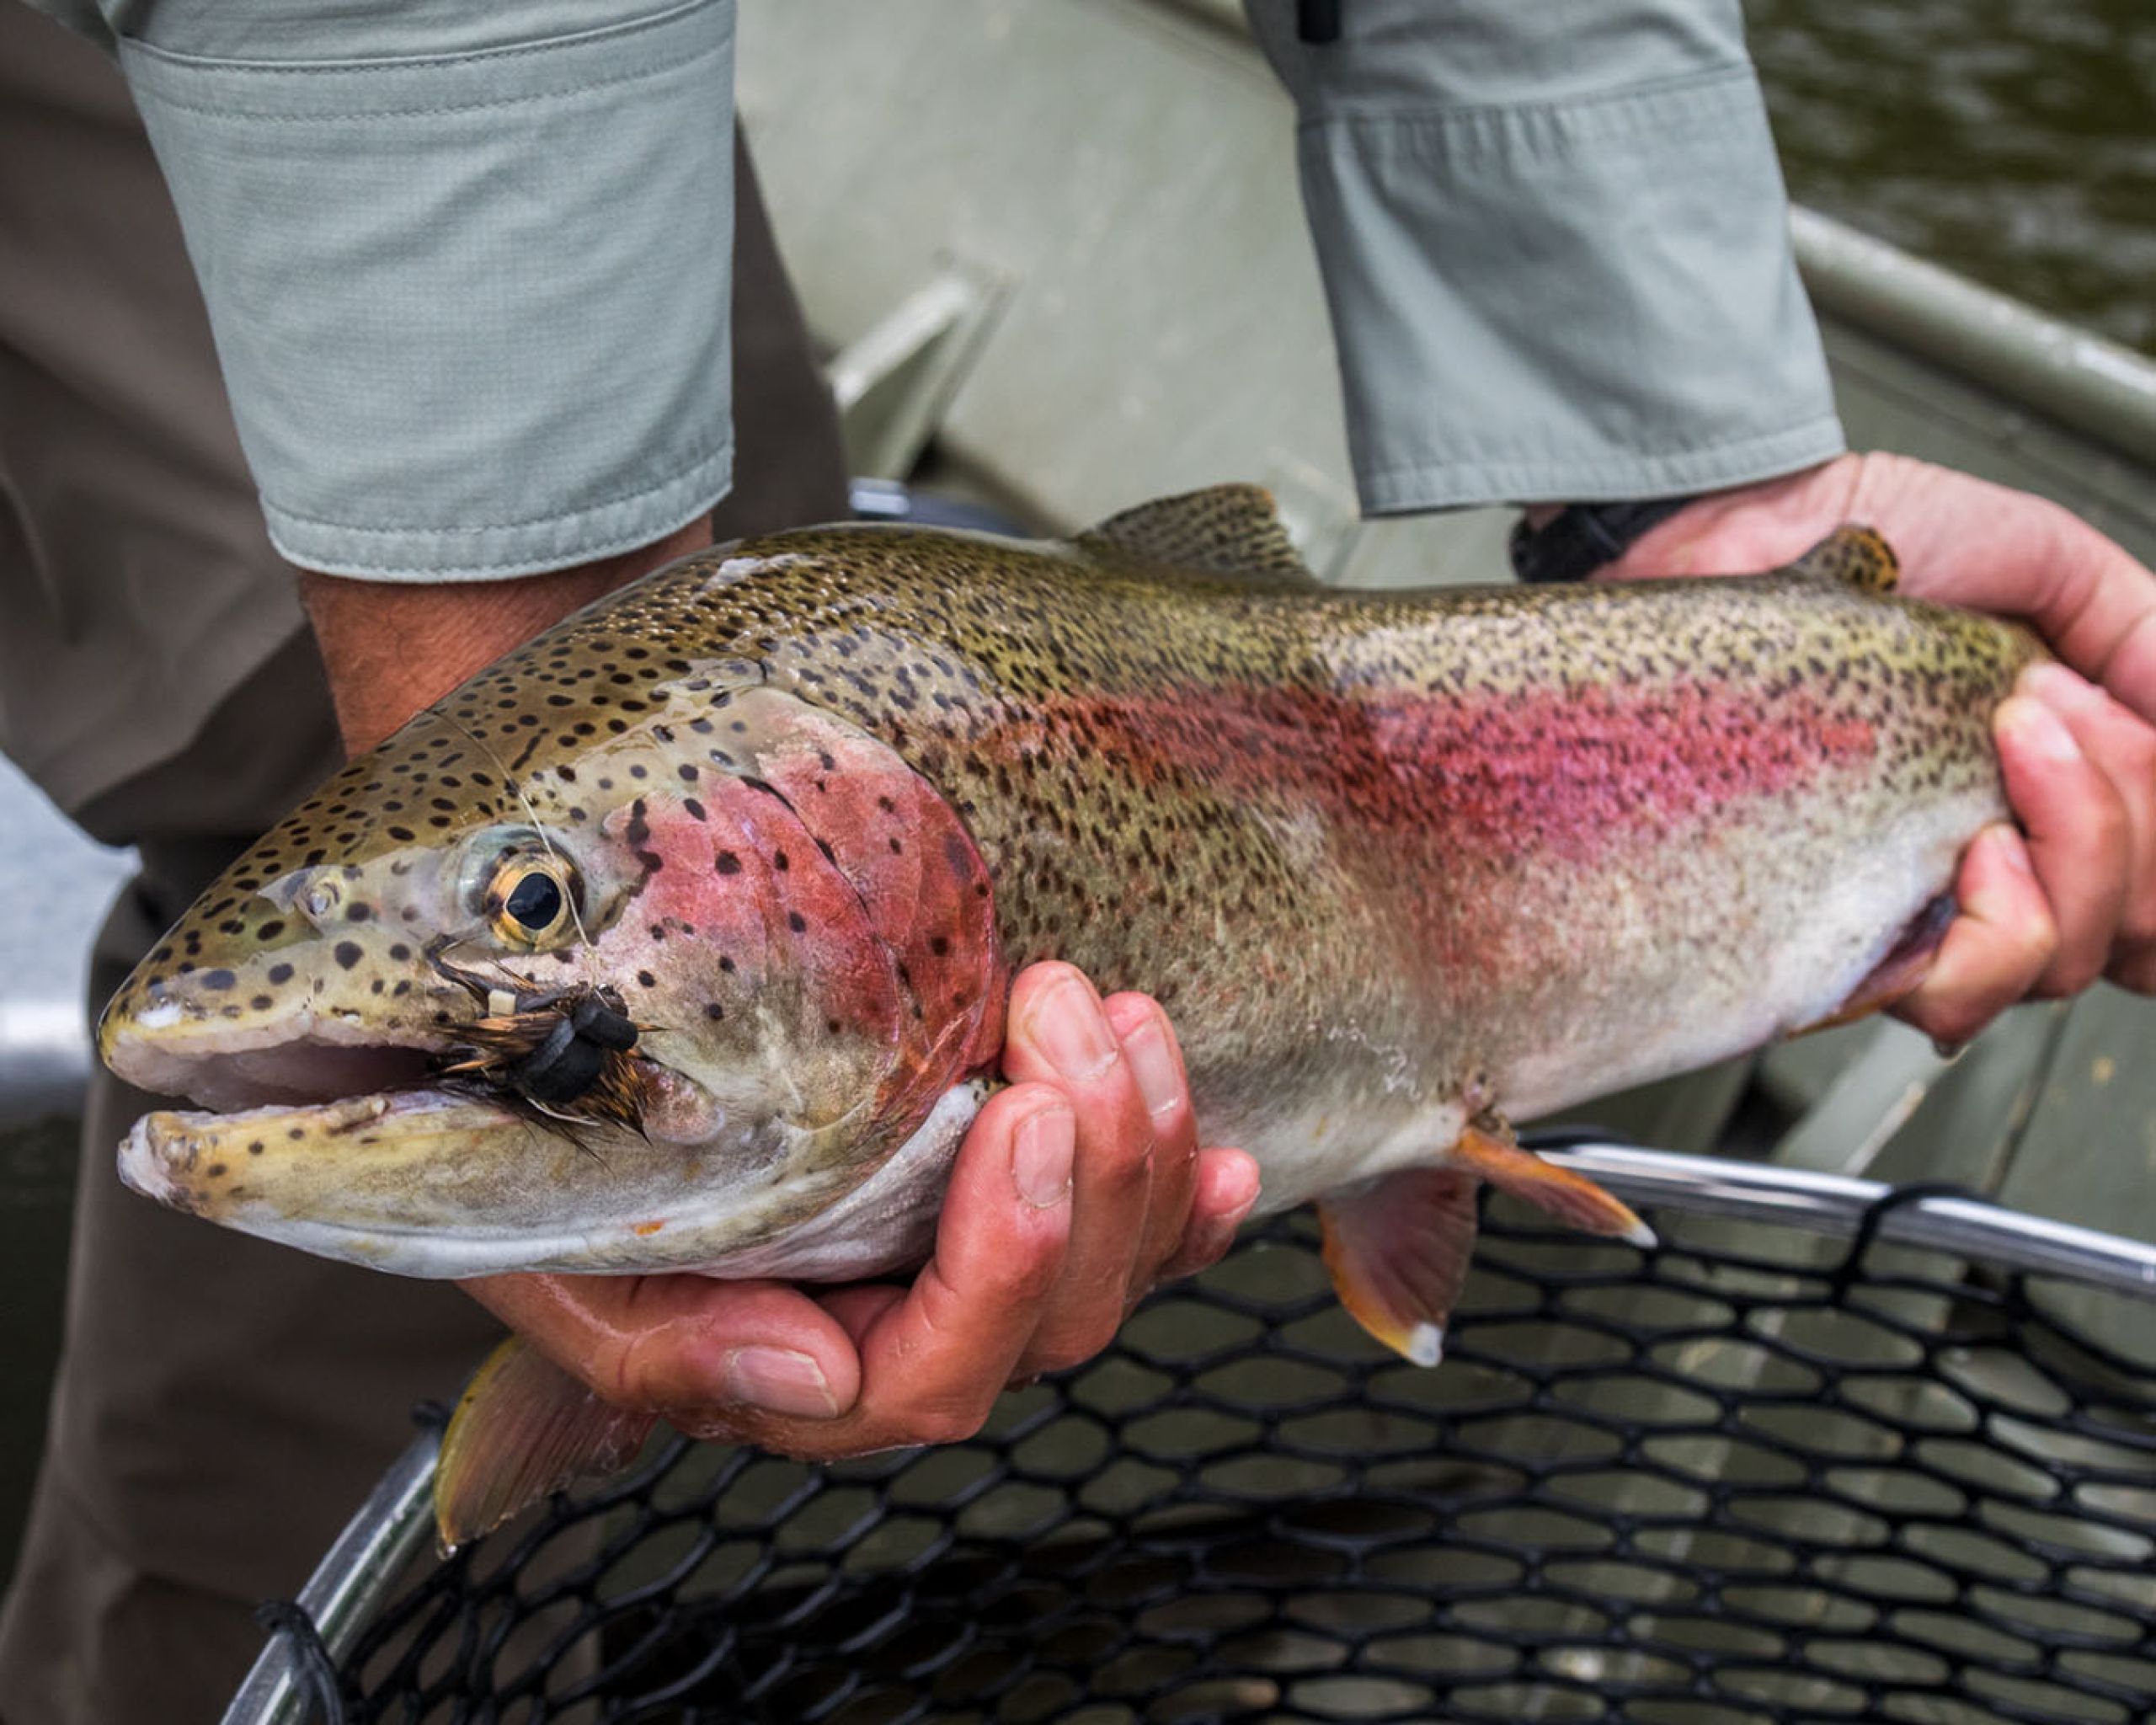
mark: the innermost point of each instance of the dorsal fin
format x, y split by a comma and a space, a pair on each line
1224, 530
1856, 555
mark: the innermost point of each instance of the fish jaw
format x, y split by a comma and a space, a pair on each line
436, 1185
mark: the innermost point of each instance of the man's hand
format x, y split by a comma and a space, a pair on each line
1079, 1188
2071, 894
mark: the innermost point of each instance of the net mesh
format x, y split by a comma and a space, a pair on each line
1755, 1475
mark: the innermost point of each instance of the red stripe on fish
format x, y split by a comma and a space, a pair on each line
1556, 774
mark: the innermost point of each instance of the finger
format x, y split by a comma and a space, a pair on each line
933, 1361
1227, 1191
1156, 1061
660, 1342
2077, 837
1995, 949
2093, 602
1060, 1034
2123, 746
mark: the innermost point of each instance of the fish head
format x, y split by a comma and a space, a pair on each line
632, 1001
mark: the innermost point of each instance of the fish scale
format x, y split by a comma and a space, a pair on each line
1398, 864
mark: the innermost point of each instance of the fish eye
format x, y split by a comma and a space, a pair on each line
529, 898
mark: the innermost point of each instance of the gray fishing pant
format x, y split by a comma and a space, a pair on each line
222, 1404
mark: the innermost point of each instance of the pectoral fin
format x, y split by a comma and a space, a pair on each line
1488, 1150
524, 1428
1398, 1249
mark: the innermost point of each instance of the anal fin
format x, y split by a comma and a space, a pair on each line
1398, 1249
1488, 1150
523, 1429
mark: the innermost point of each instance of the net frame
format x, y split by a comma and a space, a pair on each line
1906, 1263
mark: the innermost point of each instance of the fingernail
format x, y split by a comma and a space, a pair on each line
1040, 1161
779, 1380
1154, 1067
2034, 727
2054, 682
1073, 1031
2007, 844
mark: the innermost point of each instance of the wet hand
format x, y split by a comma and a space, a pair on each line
1080, 1187
2069, 894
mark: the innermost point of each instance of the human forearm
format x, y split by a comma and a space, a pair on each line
392, 648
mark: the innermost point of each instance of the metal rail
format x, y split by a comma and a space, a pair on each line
347, 1585
1836, 1203
2077, 379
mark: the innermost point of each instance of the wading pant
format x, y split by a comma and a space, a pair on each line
222, 1404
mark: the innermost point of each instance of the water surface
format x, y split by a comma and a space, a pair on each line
2013, 140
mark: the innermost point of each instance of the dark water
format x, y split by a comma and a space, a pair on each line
2012, 140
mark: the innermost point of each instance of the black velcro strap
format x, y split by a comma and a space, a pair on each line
1583, 537
1318, 20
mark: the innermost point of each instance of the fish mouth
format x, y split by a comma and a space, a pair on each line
303, 1070
373, 1151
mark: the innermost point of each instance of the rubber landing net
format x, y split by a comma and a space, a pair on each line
1760, 1474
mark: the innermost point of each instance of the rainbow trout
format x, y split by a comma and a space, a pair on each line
679, 939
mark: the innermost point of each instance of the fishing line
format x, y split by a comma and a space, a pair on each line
510, 783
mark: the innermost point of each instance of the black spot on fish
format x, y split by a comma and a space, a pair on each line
688, 773
726, 965
347, 953
727, 862
270, 930
358, 913
280, 973
695, 808
795, 921
262, 1002
781, 861
647, 980
713, 1011
218, 979
403, 833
